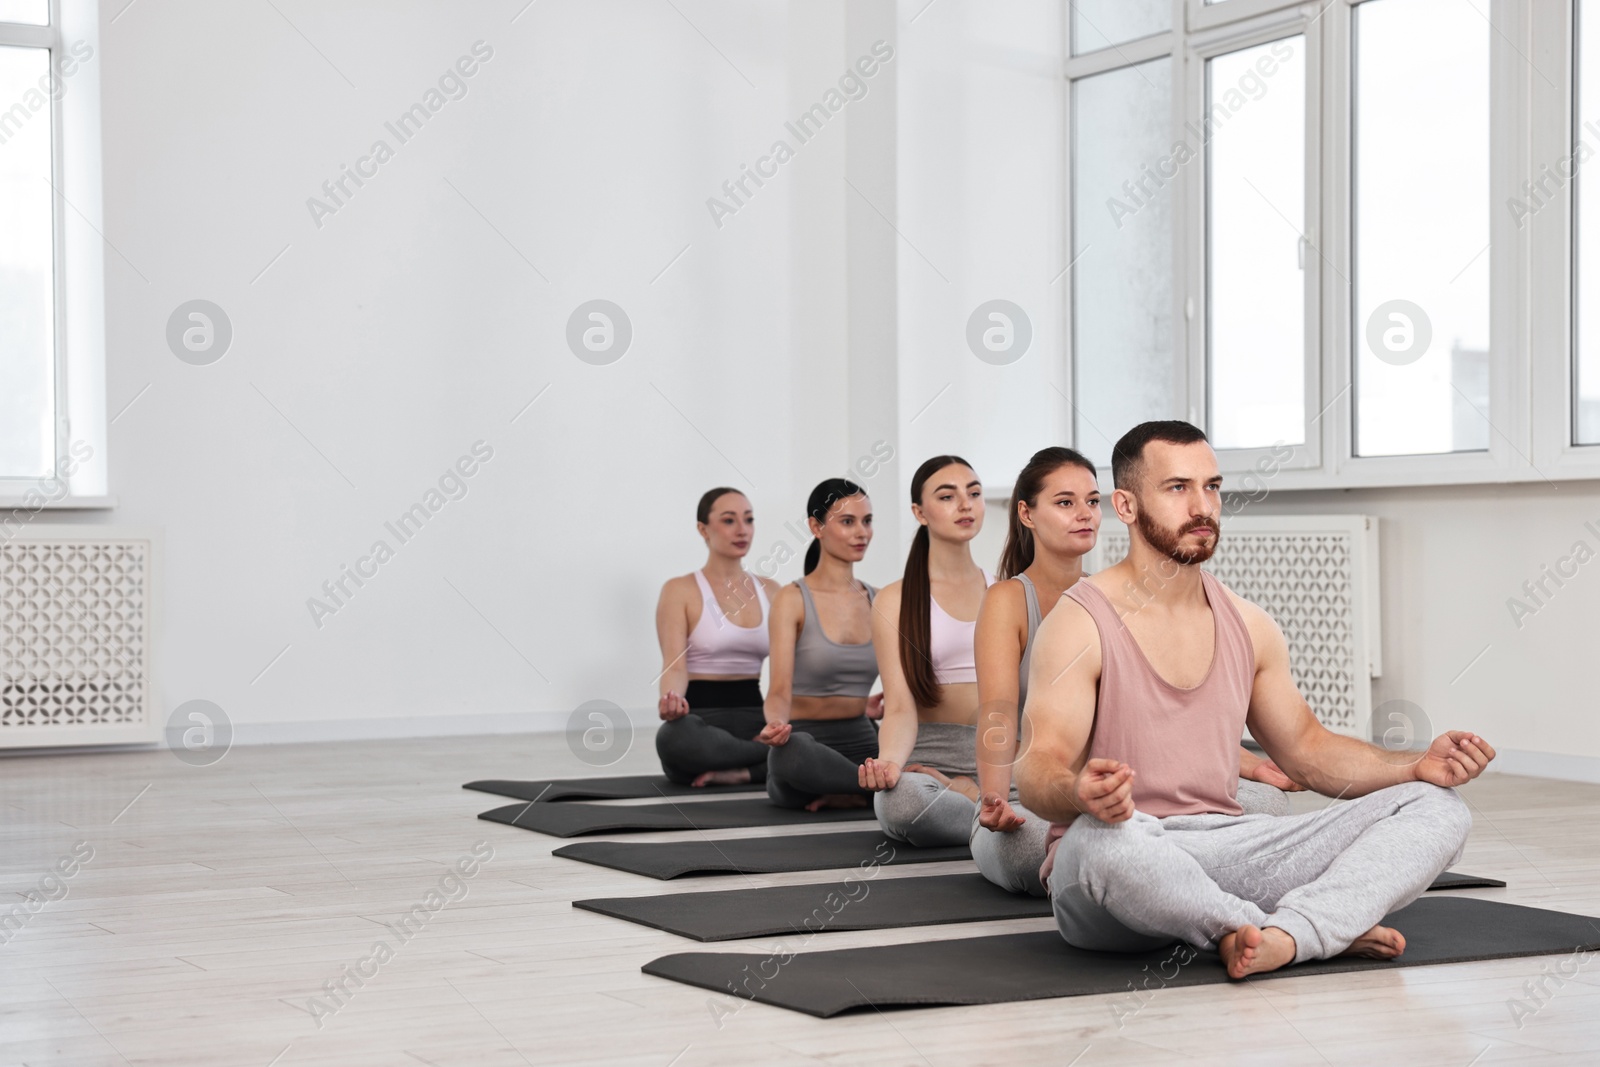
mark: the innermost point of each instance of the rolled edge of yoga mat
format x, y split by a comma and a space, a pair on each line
1453, 880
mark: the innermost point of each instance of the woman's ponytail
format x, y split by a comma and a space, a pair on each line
823, 497
916, 600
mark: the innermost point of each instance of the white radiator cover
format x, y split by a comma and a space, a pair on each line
77, 611
1317, 575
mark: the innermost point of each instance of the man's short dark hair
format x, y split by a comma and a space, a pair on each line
1127, 458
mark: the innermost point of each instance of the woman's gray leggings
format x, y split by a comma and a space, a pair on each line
822, 757
1011, 860
715, 739
920, 811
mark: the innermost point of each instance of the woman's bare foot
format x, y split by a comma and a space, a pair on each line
733, 777
1249, 950
1378, 943
838, 800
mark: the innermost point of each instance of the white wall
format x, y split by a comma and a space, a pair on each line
981, 192
793, 337
1452, 558
409, 326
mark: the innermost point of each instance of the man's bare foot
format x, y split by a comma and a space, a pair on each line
1378, 943
733, 777
1249, 950
838, 800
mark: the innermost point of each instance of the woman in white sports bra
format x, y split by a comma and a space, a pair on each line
1054, 523
924, 776
712, 626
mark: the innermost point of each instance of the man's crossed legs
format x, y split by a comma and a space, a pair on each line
1325, 878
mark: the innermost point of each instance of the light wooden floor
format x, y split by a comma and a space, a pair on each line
223, 898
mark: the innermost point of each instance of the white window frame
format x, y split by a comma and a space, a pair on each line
1194, 240
78, 271
1531, 272
1203, 16
1553, 248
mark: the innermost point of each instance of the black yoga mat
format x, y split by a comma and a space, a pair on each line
573, 819
861, 901
628, 787
756, 855
1033, 966
805, 852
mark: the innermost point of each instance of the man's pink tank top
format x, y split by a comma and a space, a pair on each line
1183, 744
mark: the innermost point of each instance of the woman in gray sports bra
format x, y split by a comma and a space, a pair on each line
817, 705
1054, 522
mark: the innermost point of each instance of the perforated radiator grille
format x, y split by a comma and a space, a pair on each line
1311, 581
74, 636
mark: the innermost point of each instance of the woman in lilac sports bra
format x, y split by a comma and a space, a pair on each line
819, 712
1054, 522
924, 777
712, 626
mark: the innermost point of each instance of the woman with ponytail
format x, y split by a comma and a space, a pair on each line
712, 626
818, 713
924, 775
1054, 523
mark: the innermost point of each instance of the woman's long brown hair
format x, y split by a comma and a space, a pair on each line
916, 600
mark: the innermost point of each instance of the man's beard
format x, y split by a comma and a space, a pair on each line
1170, 543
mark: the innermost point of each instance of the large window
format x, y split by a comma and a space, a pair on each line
1098, 24
1358, 240
1256, 269
1122, 252
27, 262
1586, 288
1421, 151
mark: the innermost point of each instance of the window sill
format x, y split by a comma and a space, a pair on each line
18, 502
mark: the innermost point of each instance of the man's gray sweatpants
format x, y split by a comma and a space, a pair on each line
1011, 860
1324, 877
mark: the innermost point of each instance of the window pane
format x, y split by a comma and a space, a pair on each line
1122, 243
27, 325
1586, 290
32, 12
1256, 192
1098, 24
1421, 328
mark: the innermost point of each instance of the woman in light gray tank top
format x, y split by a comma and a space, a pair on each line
1054, 522
817, 705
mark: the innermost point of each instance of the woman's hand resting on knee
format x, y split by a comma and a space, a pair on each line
775, 734
878, 774
997, 814
672, 706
